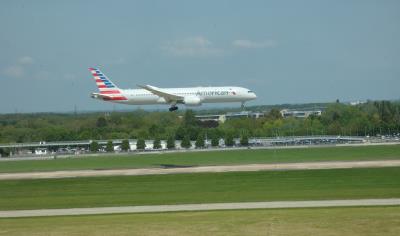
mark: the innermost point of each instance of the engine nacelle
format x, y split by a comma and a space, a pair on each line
192, 101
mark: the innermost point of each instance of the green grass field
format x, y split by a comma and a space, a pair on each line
200, 188
208, 188
208, 158
300, 222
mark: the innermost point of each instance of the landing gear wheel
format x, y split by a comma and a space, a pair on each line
173, 108
242, 106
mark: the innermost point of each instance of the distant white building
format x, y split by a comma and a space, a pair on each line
230, 115
249, 114
355, 103
149, 145
217, 118
40, 151
299, 113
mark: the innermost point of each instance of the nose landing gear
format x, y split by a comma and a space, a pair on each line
242, 106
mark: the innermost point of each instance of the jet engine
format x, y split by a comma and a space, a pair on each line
192, 101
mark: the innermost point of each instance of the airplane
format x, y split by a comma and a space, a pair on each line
151, 95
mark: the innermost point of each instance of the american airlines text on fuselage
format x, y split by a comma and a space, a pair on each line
214, 93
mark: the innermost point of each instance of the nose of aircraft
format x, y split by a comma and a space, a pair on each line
249, 95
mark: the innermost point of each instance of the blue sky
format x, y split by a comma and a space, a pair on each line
286, 51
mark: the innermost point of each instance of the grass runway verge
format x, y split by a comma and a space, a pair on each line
201, 188
234, 157
354, 221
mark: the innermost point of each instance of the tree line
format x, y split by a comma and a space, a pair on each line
170, 143
371, 118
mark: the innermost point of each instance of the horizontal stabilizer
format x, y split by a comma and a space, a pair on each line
107, 97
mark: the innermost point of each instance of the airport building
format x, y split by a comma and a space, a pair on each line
230, 115
73, 148
300, 113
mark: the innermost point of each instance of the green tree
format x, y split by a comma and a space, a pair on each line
143, 134
140, 144
125, 145
214, 141
274, 114
94, 146
157, 143
189, 119
200, 143
189, 126
180, 132
101, 122
244, 140
110, 146
273, 128
229, 142
4, 152
155, 130
171, 142
186, 142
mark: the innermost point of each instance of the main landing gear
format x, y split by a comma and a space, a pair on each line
242, 106
173, 108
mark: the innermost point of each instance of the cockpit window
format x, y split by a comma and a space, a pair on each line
250, 91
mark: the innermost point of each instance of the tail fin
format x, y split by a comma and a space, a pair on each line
108, 90
103, 83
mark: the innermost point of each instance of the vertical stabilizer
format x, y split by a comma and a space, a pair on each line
108, 90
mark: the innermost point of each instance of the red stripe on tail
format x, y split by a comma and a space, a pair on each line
119, 98
110, 92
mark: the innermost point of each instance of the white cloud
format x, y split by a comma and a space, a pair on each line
15, 71
244, 43
192, 46
25, 60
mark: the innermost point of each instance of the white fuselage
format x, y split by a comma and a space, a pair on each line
194, 96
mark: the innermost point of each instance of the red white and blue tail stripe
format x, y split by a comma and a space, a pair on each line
108, 90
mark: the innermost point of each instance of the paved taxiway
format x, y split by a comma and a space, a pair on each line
201, 169
200, 207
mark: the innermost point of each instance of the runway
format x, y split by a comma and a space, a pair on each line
200, 169
199, 207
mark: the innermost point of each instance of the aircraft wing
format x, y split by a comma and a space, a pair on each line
159, 92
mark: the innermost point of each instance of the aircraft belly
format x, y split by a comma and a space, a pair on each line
143, 101
222, 99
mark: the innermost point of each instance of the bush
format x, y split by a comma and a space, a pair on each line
186, 142
5, 152
229, 140
110, 146
171, 142
200, 142
215, 141
125, 145
140, 144
157, 143
94, 146
244, 140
